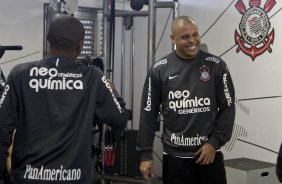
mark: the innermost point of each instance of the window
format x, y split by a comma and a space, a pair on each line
89, 18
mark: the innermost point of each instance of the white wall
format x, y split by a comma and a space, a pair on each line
258, 129
22, 24
252, 79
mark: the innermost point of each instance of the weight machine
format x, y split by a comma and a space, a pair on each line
109, 27
106, 153
2, 51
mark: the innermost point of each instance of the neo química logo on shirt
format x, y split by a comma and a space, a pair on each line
51, 79
181, 102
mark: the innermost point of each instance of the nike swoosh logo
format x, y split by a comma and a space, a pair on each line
171, 77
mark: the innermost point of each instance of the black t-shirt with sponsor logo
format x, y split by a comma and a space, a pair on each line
196, 97
52, 104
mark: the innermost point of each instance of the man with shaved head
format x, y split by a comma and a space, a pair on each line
194, 92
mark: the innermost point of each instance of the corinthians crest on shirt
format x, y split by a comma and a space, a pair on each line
256, 36
205, 73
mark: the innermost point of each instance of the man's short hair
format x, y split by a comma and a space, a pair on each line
182, 18
65, 32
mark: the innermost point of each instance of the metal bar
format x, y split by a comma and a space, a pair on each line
122, 67
175, 14
46, 9
164, 5
106, 40
124, 179
132, 70
108, 75
151, 33
128, 13
112, 38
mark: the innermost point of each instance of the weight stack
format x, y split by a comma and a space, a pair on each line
127, 158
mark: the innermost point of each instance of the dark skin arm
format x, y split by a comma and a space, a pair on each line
147, 169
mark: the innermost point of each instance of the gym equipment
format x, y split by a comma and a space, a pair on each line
249, 171
136, 5
12, 47
64, 6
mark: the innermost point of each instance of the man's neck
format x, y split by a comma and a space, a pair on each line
67, 54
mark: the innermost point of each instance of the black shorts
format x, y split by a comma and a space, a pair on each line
185, 171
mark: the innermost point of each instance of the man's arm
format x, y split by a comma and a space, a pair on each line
150, 107
8, 118
2, 81
9, 157
110, 106
224, 121
225, 98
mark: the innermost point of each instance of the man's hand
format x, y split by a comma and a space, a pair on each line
205, 154
147, 169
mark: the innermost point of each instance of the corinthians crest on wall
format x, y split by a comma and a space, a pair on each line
255, 37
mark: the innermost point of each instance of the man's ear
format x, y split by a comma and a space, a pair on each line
172, 38
80, 46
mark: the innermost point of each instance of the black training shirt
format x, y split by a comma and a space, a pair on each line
52, 104
196, 99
